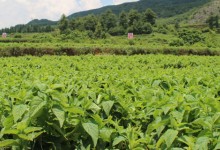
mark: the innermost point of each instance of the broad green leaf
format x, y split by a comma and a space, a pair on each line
118, 140
98, 120
107, 106
8, 122
105, 134
95, 108
202, 143
59, 113
156, 83
217, 147
10, 131
75, 110
93, 130
166, 108
18, 111
41, 86
8, 143
156, 125
203, 123
37, 108
31, 136
216, 118
58, 87
22, 125
190, 141
169, 136
32, 129
178, 116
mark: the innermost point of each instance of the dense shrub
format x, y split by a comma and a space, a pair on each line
140, 28
147, 28
177, 42
162, 29
117, 31
191, 37
17, 36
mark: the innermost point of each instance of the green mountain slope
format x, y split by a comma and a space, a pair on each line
202, 14
163, 8
42, 22
191, 11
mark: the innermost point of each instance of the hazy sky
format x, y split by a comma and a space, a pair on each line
22, 11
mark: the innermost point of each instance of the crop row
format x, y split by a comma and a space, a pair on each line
34, 49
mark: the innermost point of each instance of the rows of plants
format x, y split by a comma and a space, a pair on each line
110, 102
39, 49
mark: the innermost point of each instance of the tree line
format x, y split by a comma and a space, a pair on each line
108, 22
97, 25
28, 29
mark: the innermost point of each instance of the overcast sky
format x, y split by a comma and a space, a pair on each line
22, 11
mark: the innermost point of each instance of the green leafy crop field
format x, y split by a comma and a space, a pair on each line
110, 102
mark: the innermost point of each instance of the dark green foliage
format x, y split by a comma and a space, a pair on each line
42, 22
73, 24
108, 20
63, 24
213, 22
133, 17
177, 25
162, 29
17, 36
177, 43
147, 28
119, 30
90, 22
149, 16
136, 28
163, 8
191, 37
99, 32
29, 28
141, 28
123, 20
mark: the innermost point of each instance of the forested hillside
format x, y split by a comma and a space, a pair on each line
163, 8
192, 11
203, 13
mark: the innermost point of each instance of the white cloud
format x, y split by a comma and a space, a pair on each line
116, 2
22, 11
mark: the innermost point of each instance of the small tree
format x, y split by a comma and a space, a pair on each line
108, 20
90, 22
150, 16
213, 22
147, 28
99, 31
133, 17
63, 24
123, 20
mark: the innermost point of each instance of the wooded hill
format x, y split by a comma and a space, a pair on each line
163, 8
194, 12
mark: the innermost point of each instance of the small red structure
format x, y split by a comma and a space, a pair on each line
4, 35
130, 35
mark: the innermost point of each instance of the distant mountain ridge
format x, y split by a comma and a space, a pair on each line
42, 22
202, 14
163, 8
